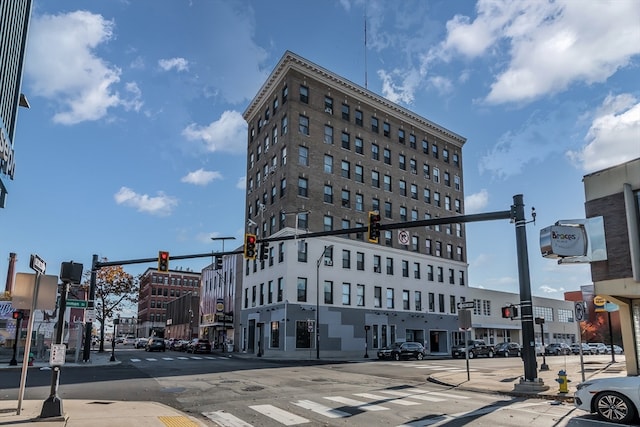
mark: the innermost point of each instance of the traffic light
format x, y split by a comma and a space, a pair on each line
218, 263
18, 315
264, 250
250, 246
374, 227
163, 261
509, 312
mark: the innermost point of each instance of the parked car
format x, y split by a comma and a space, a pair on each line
539, 349
179, 345
408, 350
199, 345
474, 347
575, 348
615, 399
141, 342
616, 349
385, 352
155, 344
557, 349
506, 349
598, 348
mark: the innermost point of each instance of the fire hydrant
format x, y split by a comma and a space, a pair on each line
31, 358
563, 381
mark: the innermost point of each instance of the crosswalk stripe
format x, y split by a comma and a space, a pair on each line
449, 395
210, 358
386, 399
357, 403
151, 359
167, 358
422, 395
280, 415
225, 419
318, 408
196, 358
183, 358
135, 360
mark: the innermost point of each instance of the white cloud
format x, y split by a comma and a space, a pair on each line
403, 92
242, 183
551, 44
227, 134
62, 66
474, 203
550, 290
161, 205
614, 135
179, 64
201, 177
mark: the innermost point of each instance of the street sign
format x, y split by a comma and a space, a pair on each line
89, 315
77, 303
37, 264
599, 303
465, 305
464, 320
57, 356
403, 237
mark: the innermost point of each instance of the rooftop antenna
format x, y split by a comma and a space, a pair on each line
365, 46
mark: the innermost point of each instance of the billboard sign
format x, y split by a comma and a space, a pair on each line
559, 241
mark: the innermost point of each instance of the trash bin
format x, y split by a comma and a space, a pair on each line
229, 348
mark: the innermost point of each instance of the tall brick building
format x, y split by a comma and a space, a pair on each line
322, 152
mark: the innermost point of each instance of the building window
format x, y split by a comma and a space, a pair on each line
374, 124
452, 280
346, 294
376, 264
432, 302
346, 258
359, 203
275, 334
303, 124
388, 238
328, 223
401, 136
359, 174
285, 94
388, 212
441, 307
304, 94
375, 179
302, 289
440, 275
360, 261
328, 194
414, 193
345, 112
436, 175
328, 105
375, 152
386, 154
359, 146
390, 298
402, 162
377, 297
412, 141
430, 273
359, 117
426, 195
405, 300
328, 292
436, 199
445, 155
405, 268
303, 187
346, 169
302, 251
360, 295
346, 143
328, 134
456, 160
403, 213
303, 156
346, 199
303, 336
386, 129
375, 204
417, 300
387, 183
328, 164
434, 151
452, 304
390, 266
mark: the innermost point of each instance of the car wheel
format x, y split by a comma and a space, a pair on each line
396, 356
614, 407
420, 356
506, 353
490, 354
471, 355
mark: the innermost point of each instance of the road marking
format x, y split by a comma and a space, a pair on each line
415, 394
135, 360
448, 395
151, 359
386, 399
281, 416
225, 419
167, 358
357, 403
196, 358
321, 409
182, 358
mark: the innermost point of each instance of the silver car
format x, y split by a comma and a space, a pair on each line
615, 399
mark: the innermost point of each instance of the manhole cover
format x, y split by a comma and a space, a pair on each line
253, 388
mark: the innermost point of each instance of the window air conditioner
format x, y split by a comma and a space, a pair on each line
328, 110
328, 262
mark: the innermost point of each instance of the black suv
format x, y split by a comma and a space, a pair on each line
408, 350
474, 347
198, 345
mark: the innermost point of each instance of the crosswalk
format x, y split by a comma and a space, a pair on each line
156, 359
431, 367
347, 406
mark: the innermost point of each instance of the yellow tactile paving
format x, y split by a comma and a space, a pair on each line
177, 421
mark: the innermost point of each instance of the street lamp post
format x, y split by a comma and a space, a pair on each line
113, 340
324, 251
224, 290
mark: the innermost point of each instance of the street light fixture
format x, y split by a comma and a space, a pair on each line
324, 251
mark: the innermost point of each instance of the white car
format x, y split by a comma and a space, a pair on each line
615, 399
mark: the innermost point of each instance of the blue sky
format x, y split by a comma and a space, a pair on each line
135, 139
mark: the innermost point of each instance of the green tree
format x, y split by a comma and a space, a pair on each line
114, 288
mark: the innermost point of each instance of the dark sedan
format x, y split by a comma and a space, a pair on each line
507, 349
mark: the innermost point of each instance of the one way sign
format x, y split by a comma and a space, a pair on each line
465, 305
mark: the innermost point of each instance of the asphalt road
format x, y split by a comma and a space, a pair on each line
232, 392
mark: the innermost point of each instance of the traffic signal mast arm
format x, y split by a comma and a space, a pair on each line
459, 219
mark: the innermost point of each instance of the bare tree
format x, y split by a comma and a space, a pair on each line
114, 287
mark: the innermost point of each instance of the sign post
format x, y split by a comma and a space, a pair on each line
464, 324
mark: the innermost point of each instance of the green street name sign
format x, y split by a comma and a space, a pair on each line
77, 303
